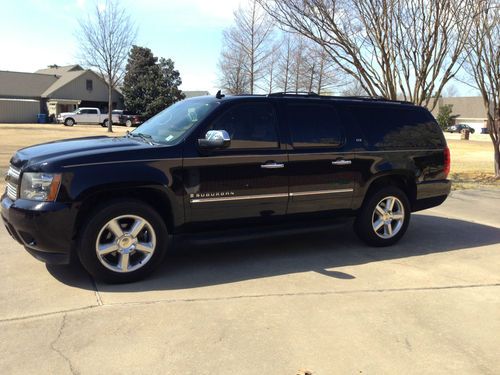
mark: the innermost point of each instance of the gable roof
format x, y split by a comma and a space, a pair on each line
62, 81
24, 85
43, 84
59, 70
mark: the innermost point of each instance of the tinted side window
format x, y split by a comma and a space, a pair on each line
250, 125
84, 111
393, 127
93, 111
314, 126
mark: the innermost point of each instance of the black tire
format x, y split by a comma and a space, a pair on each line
365, 220
69, 122
95, 228
128, 123
105, 124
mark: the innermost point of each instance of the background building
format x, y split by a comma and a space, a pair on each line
469, 110
55, 89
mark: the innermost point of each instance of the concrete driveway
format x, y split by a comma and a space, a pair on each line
322, 302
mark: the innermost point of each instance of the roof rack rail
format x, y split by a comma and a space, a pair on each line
370, 98
315, 95
297, 93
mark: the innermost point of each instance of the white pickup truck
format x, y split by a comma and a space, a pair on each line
86, 116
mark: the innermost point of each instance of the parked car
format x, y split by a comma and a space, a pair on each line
128, 118
86, 116
459, 127
221, 167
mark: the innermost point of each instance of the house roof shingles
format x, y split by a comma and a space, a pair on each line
59, 70
24, 85
63, 80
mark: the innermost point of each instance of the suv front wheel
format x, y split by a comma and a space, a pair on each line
384, 217
123, 242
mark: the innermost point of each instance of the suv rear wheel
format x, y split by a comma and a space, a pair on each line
123, 242
384, 217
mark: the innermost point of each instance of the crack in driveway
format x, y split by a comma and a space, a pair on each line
58, 351
228, 298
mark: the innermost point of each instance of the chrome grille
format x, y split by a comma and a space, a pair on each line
11, 191
12, 182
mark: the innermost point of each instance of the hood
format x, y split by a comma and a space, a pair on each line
62, 114
89, 149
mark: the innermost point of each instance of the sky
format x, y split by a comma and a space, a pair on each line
38, 33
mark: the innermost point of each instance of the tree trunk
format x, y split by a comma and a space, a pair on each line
110, 109
320, 76
496, 146
311, 79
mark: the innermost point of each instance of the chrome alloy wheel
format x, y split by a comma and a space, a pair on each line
125, 243
388, 217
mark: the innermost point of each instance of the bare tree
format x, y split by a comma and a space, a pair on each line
484, 66
105, 38
298, 66
324, 76
408, 48
285, 62
251, 35
233, 72
272, 67
354, 89
450, 91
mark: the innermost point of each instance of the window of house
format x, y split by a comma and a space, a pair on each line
250, 125
89, 84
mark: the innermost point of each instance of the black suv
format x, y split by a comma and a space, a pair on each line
206, 163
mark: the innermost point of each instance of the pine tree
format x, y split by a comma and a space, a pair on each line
150, 85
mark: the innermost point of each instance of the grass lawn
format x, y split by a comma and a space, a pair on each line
471, 161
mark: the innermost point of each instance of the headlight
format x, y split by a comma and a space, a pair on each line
40, 186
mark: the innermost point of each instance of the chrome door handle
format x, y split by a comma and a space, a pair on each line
272, 166
342, 162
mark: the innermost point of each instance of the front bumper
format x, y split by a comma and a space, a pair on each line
45, 229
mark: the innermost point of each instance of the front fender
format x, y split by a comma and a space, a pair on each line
84, 182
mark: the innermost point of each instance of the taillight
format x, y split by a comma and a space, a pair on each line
447, 161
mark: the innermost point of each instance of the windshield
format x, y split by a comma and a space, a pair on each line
171, 124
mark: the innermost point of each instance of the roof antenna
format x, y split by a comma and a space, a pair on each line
219, 95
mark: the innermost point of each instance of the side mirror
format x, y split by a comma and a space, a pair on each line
215, 139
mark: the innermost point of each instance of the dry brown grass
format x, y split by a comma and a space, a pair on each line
471, 161
472, 164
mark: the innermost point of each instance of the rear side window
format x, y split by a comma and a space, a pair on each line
250, 125
314, 126
393, 127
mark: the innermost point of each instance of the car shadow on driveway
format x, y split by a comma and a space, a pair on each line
321, 251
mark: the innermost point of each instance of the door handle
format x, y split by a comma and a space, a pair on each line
342, 162
273, 166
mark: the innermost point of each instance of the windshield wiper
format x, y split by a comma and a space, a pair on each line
145, 137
